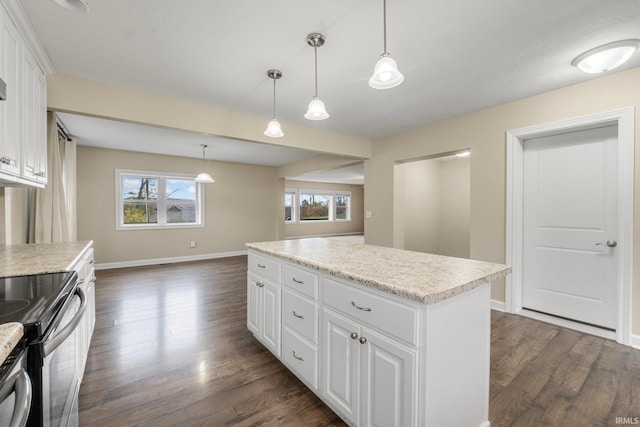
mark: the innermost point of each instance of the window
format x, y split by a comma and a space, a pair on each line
315, 206
150, 200
290, 206
343, 206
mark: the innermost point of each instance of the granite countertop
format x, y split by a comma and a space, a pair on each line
20, 260
418, 276
10, 335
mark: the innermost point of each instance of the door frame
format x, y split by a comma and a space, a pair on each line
515, 138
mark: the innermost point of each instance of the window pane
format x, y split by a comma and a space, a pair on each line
341, 213
139, 188
343, 202
314, 207
140, 212
181, 201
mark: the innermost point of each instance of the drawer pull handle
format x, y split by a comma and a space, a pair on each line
299, 316
262, 266
353, 303
354, 335
298, 357
301, 282
260, 285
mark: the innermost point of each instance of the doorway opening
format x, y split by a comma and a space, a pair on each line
432, 204
548, 234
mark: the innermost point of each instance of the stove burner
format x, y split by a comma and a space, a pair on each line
13, 306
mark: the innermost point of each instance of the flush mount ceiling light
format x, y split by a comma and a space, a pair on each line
204, 177
606, 57
316, 109
273, 127
74, 5
385, 73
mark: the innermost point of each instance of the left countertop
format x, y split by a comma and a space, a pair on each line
40, 258
10, 335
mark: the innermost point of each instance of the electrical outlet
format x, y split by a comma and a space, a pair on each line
193, 243
368, 214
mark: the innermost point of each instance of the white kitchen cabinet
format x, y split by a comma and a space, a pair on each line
84, 267
263, 311
376, 358
23, 150
369, 377
11, 60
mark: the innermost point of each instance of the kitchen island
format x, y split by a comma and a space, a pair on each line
383, 336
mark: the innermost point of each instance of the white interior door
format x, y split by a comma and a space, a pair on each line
570, 205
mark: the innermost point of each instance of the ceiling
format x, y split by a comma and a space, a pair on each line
457, 56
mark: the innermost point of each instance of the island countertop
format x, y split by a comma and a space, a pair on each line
40, 258
422, 277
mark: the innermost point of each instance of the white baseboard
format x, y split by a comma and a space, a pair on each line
635, 341
171, 260
497, 305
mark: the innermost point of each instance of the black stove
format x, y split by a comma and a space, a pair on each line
34, 300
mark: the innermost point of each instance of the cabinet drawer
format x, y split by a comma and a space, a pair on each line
301, 280
264, 266
396, 319
301, 356
300, 315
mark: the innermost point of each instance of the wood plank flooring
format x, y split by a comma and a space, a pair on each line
171, 348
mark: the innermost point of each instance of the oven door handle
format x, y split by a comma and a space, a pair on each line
21, 383
51, 345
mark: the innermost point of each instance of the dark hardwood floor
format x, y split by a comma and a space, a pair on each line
171, 348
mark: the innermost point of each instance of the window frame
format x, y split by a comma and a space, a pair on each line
162, 223
294, 207
335, 207
319, 192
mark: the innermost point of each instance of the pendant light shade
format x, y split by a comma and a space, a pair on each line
385, 73
73, 5
204, 177
316, 109
273, 127
606, 57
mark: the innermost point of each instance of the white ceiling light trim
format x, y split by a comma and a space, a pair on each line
606, 57
273, 127
203, 177
73, 5
316, 109
385, 73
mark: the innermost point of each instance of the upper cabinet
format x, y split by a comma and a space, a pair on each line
23, 144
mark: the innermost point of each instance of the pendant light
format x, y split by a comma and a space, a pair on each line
316, 109
273, 127
606, 57
204, 177
74, 5
385, 73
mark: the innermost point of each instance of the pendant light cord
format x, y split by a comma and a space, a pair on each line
384, 24
315, 51
274, 99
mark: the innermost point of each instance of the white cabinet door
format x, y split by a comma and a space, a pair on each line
11, 60
271, 331
254, 302
264, 312
342, 364
30, 161
389, 385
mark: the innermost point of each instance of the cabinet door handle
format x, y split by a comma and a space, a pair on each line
299, 316
298, 357
5, 160
363, 340
354, 335
40, 174
262, 266
260, 285
301, 282
353, 303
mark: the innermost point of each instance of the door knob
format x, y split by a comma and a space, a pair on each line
610, 243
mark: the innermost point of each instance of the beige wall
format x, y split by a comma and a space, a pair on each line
431, 208
484, 132
355, 226
240, 207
